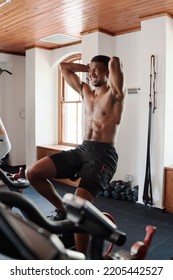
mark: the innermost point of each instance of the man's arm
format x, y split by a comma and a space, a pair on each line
69, 70
116, 78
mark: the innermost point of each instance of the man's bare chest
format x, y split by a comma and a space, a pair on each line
99, 105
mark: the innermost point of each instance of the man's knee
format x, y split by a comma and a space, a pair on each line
43, 169
30, 173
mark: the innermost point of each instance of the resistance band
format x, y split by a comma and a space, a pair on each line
147, 192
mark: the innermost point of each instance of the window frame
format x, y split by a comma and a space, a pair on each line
61, 93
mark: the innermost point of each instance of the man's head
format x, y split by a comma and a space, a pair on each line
101, 58
98, 70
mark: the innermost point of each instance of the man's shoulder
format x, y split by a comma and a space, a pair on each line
86, 89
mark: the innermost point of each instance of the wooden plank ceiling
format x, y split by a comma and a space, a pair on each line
24, 22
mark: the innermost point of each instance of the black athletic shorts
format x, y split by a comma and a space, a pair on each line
94, 162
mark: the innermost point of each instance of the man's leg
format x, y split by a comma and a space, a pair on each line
37, 176
82, 240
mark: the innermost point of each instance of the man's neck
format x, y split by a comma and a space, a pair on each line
101, 90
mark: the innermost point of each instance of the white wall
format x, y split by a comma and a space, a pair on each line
41, 98
30, 107
1, 92
12, 108
168, 132
127, 47
45, 100
135, 50
61, 53
101, 44
40, 103
158, 137
154, 43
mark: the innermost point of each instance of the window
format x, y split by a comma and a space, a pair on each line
70, 110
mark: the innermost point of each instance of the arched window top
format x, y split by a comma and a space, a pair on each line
73, 58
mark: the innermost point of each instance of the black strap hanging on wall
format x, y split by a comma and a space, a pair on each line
147, 192
4, 70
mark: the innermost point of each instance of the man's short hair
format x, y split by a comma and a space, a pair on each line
101, 58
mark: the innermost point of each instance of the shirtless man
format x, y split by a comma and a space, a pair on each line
94, 161
5, 145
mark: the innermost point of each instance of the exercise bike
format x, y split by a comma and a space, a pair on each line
15, 182
27, 241
65, 229
88, 217
18, 234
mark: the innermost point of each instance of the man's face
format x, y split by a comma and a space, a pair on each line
97, 73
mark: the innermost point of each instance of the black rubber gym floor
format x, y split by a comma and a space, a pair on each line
131, 218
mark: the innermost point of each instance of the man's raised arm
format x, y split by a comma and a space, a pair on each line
69, 70
116, 78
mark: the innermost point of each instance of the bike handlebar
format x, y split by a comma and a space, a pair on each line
91, 220
26, 240
117, 237
83, 217
14, 184
32, 213
95, 223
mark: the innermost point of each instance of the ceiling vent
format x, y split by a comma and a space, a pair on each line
60, 39
4, 2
